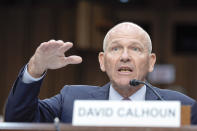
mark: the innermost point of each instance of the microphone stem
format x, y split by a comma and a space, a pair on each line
150, 87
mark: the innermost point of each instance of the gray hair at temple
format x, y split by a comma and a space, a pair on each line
132, 27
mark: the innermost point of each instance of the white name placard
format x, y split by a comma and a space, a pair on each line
126, 113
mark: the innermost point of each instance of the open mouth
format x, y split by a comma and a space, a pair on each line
125, 69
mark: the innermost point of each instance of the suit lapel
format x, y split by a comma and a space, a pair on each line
101, 93
150, 95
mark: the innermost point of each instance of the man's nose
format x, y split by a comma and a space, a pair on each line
125, 57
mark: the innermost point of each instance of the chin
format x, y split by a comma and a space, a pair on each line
124, 83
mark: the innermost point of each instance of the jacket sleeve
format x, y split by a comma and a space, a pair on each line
23, 104
194, 114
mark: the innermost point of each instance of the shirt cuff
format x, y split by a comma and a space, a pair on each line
27, 78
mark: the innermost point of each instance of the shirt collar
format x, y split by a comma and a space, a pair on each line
138, 95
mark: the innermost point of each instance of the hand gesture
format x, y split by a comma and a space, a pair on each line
50, 55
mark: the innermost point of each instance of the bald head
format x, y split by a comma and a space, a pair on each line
128, 28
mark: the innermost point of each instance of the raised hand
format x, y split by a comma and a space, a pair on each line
50, 55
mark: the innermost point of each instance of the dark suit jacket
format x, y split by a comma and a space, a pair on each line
23, 104
194, 114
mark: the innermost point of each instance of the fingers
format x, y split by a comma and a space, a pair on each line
72, 60
50, 55
58, 46
65, 47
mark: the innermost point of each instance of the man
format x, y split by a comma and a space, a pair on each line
127, 55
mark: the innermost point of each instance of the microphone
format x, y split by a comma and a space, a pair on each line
135, 82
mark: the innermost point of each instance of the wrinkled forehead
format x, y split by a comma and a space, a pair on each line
127, 30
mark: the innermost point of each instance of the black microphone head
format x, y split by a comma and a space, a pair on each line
134, 82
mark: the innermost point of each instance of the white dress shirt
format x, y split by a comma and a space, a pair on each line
137, 96
27, 78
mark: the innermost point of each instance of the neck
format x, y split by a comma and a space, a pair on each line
126, 91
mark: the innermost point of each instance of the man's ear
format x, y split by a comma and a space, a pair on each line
152, 61
101, 61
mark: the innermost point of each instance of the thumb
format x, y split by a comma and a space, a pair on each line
73, 59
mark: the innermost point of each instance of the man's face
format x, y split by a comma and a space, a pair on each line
126, 57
